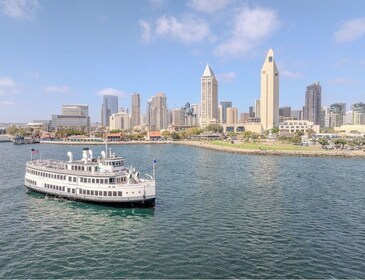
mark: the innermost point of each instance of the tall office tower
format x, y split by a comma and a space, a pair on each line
157, 112
232, 115
257, 108
285, 112
195, 110
312, 107
244, 117
338, 111
209, 98
225, 105
109, 107
136, 110
269, 101
177, 117
251, 111
73, 116
358, 113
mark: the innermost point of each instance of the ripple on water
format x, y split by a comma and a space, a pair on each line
217, 216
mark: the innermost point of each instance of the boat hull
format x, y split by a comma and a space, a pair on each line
147, 203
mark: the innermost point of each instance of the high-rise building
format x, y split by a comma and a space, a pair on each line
312, 107
225, 105
157, 112
358, 113
295, 114
177, 117
338, 114
109, 107
269, 101
209, 98
136, 110
73, 116
251, 111
232, 115
285, 112
244, 117
257, 108
120, 120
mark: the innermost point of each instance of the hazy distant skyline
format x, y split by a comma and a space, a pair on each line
57, 52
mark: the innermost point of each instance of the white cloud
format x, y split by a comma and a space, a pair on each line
250, 27
7, 103
56, 89
290, 75
188, 29
20, 9
8, 85
342, 81
146, 30
112, 91
208, 6
157, 3
350, 30
226, 77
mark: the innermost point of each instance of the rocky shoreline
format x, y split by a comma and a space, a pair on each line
324, 153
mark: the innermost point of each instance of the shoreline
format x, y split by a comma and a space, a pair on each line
234, 150
299, 153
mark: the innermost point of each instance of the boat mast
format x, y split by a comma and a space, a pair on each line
106, 143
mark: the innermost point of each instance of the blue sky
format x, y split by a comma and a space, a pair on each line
56, 52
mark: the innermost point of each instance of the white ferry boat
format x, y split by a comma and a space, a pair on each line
104, 180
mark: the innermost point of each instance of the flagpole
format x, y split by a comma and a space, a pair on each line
154, 169
31, 155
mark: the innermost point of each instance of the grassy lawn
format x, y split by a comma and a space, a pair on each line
267, 146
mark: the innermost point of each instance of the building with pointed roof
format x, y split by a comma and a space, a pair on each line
209, 98
269, 102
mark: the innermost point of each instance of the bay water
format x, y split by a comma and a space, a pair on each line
217, 215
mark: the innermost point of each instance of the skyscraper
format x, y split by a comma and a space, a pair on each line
209, 98
225, 105
338, 112
269, 102
136, 110
157, 112
109, 107
312, 108
232, 115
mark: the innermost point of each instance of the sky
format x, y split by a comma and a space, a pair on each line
73, 52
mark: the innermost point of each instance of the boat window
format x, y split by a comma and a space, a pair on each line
63, 189
73, 190
89, 180
97, 181
74, 179
88, 192
91, 192
105, 193
69, 179
96, 192
119, 193
93, 181
109, 193
114, 193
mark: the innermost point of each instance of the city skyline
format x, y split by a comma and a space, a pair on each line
47, 61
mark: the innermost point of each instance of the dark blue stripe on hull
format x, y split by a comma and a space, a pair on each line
149, 203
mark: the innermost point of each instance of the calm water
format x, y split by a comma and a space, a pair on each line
217, 216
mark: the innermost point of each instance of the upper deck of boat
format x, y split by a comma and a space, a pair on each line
79, 167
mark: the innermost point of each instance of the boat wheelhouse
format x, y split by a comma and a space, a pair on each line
104, 180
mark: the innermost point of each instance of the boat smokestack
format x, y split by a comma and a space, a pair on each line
90, 155
70, 156
85, 154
